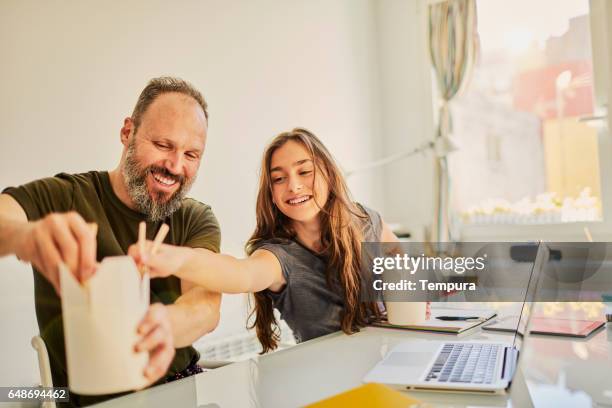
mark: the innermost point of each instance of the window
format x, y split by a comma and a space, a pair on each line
527, 153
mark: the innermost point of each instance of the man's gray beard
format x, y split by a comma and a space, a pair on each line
136, 182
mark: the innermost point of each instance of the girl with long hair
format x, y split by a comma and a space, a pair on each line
305, 253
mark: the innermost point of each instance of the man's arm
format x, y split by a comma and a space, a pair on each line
194, 314
156, 338
56, 238
13, 223
66, 237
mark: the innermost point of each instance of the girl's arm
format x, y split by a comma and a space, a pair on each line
215, 272
387, 235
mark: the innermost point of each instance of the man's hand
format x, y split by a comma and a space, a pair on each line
156, 338
57, 238
168, 260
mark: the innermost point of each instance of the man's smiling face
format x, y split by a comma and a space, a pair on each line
164, 153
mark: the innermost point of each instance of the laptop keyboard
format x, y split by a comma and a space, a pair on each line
465, 363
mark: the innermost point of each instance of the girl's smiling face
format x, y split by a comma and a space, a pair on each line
296, 191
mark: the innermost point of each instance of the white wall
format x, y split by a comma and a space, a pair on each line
406, 112
71, 71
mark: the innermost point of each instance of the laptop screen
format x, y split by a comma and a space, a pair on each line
530, 295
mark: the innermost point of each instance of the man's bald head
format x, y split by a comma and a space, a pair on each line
162, 85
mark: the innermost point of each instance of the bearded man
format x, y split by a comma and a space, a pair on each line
45, 223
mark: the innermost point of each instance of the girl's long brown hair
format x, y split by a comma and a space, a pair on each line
341, 236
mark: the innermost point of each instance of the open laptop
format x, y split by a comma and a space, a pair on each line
469, 366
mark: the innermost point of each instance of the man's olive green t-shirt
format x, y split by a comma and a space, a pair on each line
91, 195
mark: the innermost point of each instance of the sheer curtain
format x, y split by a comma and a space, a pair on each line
453, 48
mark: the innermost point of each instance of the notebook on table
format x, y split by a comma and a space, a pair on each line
368, 396
548, 325
446, 326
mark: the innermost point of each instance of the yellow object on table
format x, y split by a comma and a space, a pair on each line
369, 395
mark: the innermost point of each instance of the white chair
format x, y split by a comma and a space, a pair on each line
44, 367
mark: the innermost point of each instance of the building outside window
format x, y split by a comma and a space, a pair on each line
528, 153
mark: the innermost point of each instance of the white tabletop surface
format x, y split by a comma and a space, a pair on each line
555, 372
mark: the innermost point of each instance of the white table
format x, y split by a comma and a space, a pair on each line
556, 372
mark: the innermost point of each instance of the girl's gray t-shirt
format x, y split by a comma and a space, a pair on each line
307, 303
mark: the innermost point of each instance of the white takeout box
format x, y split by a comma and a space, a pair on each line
100, 322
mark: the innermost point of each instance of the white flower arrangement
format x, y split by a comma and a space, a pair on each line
546, 208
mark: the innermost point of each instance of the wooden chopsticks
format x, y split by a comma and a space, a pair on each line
142, 239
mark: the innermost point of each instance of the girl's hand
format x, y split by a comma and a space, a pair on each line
168, 260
